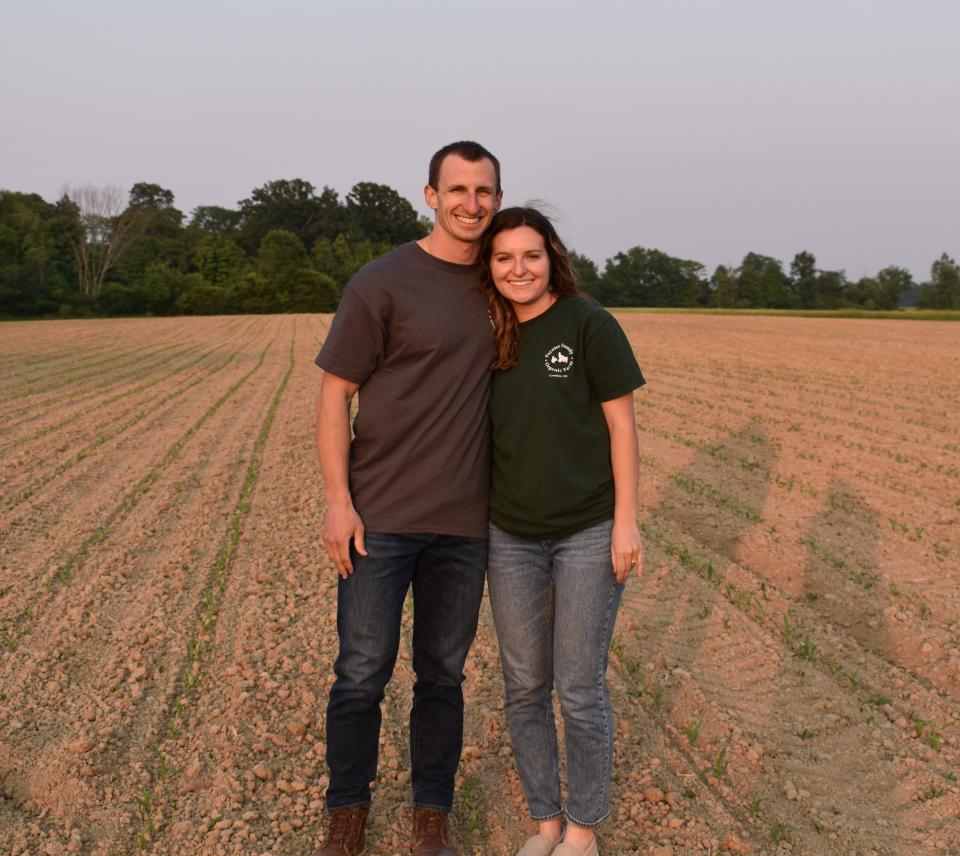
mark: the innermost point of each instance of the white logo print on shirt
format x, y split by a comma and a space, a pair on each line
558, 360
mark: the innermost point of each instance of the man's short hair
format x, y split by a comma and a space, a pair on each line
466, 149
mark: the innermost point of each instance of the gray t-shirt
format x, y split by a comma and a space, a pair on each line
414, 332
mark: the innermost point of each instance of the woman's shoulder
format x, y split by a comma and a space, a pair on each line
587, 310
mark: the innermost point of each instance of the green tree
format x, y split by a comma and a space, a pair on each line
146, 195
943, 289
312, 291
35, 255
643, 277
762, 283
219, 259
831, 289
340, 259
892, 283
282, 257
291, 205
377, 213
161, 241
202, 298
863, 292
723, 286
589, 275
288, 274
152, 294
213, 218
255, 295
803, 280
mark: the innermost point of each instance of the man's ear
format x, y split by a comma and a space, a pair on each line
499, 200
430, 197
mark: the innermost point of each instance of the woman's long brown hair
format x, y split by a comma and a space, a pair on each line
563, 280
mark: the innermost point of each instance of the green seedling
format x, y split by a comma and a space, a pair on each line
692, 730
720, 763
832, 665
807, 650
778, 831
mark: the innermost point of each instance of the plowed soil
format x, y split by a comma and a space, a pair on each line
786, 671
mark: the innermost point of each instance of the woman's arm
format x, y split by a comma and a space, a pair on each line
626, 548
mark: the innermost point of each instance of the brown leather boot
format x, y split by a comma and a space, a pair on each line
346, 832
431, 836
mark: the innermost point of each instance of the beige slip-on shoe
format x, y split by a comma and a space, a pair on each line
539, 845
570, 850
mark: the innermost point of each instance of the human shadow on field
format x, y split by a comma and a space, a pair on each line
841, 579
823, 738
706, 509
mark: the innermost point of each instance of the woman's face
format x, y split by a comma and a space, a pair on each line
520, 268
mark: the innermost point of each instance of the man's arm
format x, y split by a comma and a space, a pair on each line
341, 523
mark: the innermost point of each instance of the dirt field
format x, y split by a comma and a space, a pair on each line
786, 672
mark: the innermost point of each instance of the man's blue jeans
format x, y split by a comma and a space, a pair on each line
447, 575
554, 603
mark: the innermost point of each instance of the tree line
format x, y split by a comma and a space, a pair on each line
291, 248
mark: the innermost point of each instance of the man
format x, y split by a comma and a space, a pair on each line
407, 500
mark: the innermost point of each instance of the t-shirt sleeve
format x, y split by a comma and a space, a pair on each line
611, 366
356, 343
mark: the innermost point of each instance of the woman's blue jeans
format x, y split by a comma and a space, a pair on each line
554, 604
446, 574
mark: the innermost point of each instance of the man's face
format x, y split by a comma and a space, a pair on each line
465, 197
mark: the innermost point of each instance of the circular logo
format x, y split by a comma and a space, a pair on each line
559, 360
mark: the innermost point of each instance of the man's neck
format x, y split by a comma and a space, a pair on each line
440, 245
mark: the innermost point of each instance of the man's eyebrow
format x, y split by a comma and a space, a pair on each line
487, 187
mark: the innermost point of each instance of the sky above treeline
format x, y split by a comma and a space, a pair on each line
703, 129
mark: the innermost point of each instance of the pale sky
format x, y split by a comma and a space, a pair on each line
702, 128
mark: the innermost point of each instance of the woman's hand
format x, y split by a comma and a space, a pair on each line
626, 550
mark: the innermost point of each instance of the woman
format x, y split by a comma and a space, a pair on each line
563, 531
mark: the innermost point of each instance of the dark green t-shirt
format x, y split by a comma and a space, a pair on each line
551, 448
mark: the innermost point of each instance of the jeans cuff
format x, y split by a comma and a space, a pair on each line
575, 822
547, 816
446, 809
348, 805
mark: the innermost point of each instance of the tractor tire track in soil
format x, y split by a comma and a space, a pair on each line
785, 672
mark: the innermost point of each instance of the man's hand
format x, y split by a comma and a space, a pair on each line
341, 525
626, 550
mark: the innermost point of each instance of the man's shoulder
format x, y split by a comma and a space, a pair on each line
393, 264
